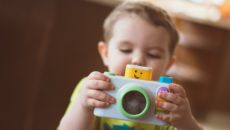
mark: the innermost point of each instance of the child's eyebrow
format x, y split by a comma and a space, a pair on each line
125, 42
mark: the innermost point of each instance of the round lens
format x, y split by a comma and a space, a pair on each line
134, 102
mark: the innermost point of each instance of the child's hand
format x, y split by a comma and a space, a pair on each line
92, 95
180, 115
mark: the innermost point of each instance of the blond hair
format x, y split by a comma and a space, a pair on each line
148, 12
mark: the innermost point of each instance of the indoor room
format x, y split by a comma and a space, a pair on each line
49, 46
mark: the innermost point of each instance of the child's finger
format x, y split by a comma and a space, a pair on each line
177, 89
95, 75
96, 103
171, 97
166, 106
164, 117
99, 95
99, 85
170, 118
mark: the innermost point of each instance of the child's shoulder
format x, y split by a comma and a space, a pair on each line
77, 89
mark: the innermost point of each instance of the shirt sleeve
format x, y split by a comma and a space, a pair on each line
75, 93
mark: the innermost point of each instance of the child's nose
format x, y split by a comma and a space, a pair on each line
138, 60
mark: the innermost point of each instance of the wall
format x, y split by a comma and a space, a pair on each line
46, 48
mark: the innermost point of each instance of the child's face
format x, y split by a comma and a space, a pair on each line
135, 41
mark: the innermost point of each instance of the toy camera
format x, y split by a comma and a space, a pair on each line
135, 95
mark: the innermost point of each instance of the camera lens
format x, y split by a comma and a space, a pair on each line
134, 102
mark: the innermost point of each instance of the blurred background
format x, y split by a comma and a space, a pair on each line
47, 46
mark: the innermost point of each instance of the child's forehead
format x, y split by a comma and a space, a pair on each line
134, 22
135, 29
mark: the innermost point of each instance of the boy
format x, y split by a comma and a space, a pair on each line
135, 33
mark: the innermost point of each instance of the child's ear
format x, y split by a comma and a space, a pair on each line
103, 50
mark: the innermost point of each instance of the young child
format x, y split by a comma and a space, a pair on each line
135, 33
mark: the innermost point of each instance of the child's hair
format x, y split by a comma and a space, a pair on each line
147, 11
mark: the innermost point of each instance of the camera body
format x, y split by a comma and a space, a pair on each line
135, 100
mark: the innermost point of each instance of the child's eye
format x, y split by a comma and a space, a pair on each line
126, 50
155, 56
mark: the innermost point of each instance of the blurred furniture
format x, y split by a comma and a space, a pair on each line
202, 60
